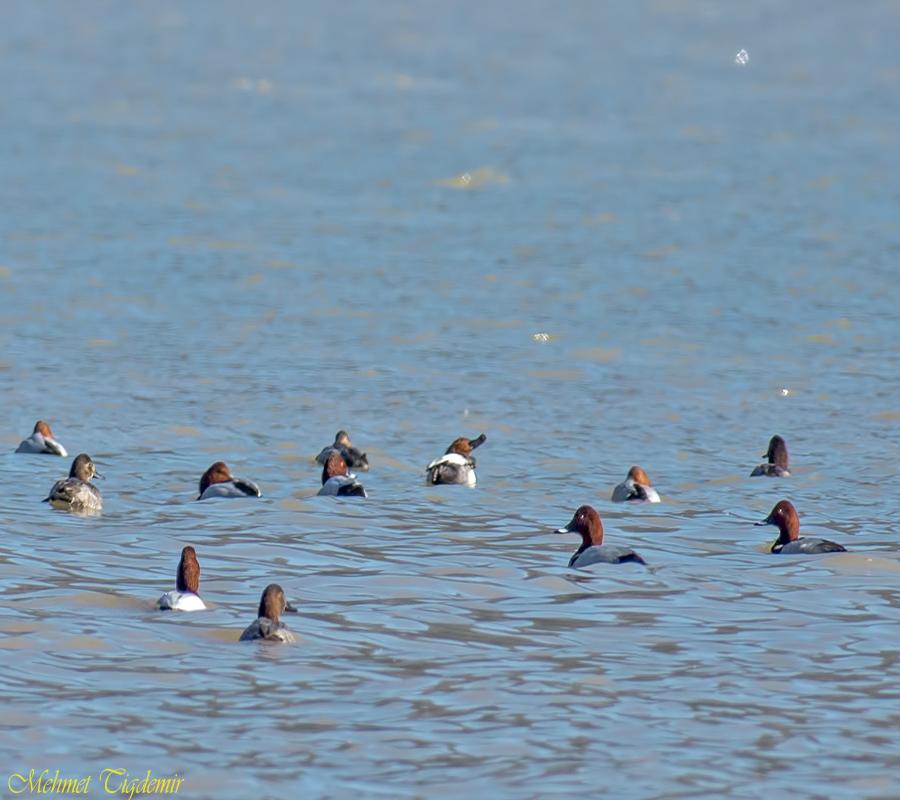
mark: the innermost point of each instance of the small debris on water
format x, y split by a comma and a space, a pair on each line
741, 58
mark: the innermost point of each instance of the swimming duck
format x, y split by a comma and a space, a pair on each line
353, 458
41, 441
187, 585
457, 465
267, 625
76, 493
587, 524
636, 486
777, 455
784, 517
336, 480
218, 481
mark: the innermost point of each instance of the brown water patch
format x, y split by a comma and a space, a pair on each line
601, 355
473, 180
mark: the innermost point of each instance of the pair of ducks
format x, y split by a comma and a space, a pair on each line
637, 486
783, 516
186, 597
76, 491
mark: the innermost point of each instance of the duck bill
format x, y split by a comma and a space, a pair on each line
473, 443
563, 530
762, 522
289, 607
98, 475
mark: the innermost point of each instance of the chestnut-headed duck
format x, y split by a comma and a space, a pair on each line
186, 596
587, 524
336, 480
636, 486
267, 625
784, 517
777, 456
76, 492
353, 458
457, 465
218, 481
41, 441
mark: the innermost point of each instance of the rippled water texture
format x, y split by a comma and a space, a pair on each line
228, 231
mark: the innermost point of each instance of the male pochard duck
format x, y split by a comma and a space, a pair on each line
41, 441
636, 486
457, 465
267, 625
336, 480
77, 493
186, 596
353, 458
587, 524
218, 481
784, 517
777, 460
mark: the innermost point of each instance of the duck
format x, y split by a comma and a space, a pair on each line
336, 480
218, 481
586, 522
636, 486
41, 441
187, 585
267, 624
353, 458
784, 517
457, 465
77, 493
777, 460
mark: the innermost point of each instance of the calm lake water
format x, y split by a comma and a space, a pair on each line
228, 231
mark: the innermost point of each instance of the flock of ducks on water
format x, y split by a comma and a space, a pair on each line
455, 466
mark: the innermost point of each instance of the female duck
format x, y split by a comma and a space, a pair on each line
457, 465
636, 486
267, 624
353, 458
777, 460
76, 493
784, 517
42, 441
186, 596
218, 481
336, 480
586, 522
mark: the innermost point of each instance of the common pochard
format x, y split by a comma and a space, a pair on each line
186, 596
784, 517
77, 493
267, 624
586, 523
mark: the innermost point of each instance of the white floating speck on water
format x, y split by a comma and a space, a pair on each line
784, 392
741, 58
